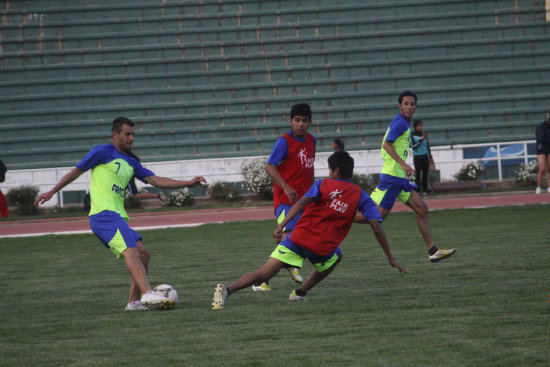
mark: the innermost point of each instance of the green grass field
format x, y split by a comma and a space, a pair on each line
63, 299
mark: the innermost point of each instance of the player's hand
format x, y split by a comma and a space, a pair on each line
278, 234
291, 194
409, 171
42, 198
395, 264
197, 180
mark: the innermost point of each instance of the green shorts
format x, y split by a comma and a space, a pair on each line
291, 254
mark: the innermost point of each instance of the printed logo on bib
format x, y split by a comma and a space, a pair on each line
335, 203
304, 160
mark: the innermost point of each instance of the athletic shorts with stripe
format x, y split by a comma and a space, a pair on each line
113, 231
392, 188
290, 253
281, 212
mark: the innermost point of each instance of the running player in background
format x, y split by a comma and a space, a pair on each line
291, 167
112, 168
393, 178
323, 225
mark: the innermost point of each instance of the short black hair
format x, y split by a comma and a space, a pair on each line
339, 144
341, 159
406, 93
417, 122
300, 109
119, 121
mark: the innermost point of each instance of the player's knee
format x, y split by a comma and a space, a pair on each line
422, 210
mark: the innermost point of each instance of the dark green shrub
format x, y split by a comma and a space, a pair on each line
470, 171
23, 198
223, 191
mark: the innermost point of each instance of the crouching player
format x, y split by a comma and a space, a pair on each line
317, 236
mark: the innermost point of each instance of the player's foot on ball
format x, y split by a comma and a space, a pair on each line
441, 254
136, 306
153, 299
220, 295
295, 274
294, 297
264, 287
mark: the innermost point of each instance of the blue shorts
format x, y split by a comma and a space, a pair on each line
281, 212
390, 189
113, 231
290, 253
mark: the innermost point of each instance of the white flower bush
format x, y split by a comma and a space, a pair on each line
527, 173
470, 171
256, 180
180, 197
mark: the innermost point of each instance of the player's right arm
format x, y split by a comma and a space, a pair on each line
65, 180
276, 177
277, 156
388, 146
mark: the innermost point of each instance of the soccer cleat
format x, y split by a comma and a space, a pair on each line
264, 287
136, 306
295, 274
220, 295
537, 190
441, 254
294, 297
154, 299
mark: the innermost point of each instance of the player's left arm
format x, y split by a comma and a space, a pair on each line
383, 241
169, 183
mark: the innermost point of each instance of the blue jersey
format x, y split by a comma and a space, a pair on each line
419, 147
111, 172
398, 133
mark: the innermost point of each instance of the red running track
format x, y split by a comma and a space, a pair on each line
144, 221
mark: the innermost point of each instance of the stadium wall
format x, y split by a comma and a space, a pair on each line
449, 160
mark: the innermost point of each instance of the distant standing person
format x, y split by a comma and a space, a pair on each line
543, 152
421, 155
393, 182
3, 204
337, 144
291, 167
112, 168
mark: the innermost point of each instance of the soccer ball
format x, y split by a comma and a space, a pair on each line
167, 291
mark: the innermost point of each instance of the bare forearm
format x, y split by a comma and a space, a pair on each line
67, 179
381, 238
275, 175
295, 210
168, 183
392, 152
